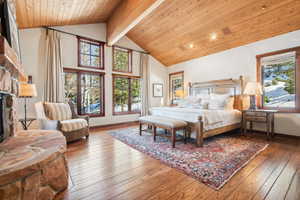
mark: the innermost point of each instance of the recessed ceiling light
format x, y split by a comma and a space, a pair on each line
191, 45
213, 36
263, 7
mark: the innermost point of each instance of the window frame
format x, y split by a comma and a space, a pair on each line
170, 84
259, 77
102, 90
129, 61
91, 42
114, 76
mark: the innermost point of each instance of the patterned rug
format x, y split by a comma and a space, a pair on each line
213, 164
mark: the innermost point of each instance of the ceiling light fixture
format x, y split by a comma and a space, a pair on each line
263, 7
191, 45
213, 36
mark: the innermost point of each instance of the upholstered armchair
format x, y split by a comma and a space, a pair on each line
62, 117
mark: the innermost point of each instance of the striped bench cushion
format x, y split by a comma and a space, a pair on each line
58, 111
73, 124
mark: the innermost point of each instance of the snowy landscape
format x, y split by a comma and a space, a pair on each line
279, 85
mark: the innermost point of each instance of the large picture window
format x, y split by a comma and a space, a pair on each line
122, 59
176, 81
278, 72
86, 89
90, 53
126, 94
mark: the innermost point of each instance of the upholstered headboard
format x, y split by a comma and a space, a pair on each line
233, 87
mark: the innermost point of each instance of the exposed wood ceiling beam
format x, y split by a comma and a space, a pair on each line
128, 14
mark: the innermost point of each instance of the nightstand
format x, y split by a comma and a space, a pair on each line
259, 116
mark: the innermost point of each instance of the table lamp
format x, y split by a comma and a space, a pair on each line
253, 89
26, 90
179, 93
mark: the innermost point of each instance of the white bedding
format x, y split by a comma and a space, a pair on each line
212, 118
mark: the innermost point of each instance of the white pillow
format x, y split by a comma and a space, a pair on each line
205, 98
189, 101
218, 101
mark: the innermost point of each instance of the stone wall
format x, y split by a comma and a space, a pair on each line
33, 166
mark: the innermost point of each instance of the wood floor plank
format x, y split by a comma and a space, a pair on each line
112, 192
249, 187
169, 190
105, 168
115, 181
294, 191
282, 184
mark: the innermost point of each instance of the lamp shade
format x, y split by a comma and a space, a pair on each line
253, 88
179, 93
27, 90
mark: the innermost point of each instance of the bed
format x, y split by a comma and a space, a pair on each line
209, 121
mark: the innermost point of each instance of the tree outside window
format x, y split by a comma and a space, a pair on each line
86, 90
126, 95
122, 60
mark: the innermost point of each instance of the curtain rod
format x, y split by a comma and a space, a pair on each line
57, 30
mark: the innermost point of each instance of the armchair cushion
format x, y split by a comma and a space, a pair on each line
73, 125
58, 111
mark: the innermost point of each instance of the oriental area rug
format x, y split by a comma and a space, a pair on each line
213, 164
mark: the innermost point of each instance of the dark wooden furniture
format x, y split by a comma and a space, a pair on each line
26, 122
170, 125
259, 116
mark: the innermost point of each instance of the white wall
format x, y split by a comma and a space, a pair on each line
31, 42
242, 61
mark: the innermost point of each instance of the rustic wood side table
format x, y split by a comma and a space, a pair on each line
259, 116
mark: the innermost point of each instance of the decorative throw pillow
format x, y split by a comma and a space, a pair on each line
58, 111
189, 102
218, 102
205, 99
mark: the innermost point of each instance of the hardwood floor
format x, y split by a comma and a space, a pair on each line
105, 168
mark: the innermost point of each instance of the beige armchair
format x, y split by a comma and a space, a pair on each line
62, 117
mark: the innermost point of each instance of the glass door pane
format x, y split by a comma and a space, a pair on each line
121, 94
71, 86
135, 95
90, 93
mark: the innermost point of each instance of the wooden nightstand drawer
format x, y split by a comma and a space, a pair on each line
256, 118
256, 114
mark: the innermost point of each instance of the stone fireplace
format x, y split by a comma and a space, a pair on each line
32, 163
7, 116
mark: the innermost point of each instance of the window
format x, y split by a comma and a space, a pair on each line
122, 59
278, 72
90, 53
126, 94
86, 89
176, 86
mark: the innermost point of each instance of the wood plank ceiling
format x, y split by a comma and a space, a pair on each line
178, 30
37, 13
181, 30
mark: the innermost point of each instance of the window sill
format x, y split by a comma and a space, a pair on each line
281, 110
126, 113
93, 115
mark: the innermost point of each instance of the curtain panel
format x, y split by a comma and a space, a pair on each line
145, 71
54, 81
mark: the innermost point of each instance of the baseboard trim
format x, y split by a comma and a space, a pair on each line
279, 134
131, 123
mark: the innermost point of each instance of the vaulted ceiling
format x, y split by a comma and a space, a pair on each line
37, 13
174, 30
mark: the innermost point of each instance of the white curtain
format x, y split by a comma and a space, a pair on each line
54, 81
145, 71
